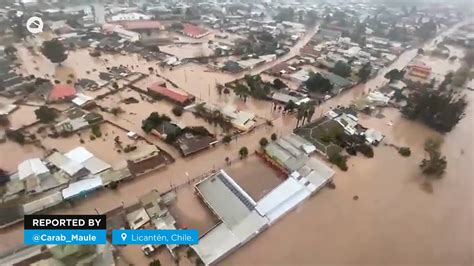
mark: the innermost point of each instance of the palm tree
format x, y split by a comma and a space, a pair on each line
311, 111
299, 115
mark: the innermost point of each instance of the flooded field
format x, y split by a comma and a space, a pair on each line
23, 116
255, 176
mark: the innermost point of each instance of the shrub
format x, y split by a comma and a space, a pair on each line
366, 150
274, 137
339, 160
263, 142
243, 152
227, 139
96, 131
178, 110
92, 137
404, 151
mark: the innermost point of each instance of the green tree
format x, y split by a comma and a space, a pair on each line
364, 72
394, 74
242, 91
17, 24
243, 152
226, 139
46, 114
404, 151
342, 69
339, 160
435, 164
177, 110
290, 106
311, 111
285, 14
441, 110
220, 88
317, 83
155, 262
263, 142
54, 50
273, 137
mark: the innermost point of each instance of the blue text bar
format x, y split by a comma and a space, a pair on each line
61, 237
155, 237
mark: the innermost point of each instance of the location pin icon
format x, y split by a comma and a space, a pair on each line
124, 236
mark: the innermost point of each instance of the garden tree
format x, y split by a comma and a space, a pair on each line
243, 152
45, 114
16, 136
404, 151
339, 160
285, 14
153, 120
299, 115
226, 139
310, 114
96, 131
364, 72
441, 110
278, 84
155, 262
226, 91
257, 88
219, 88
4, 121
366, 149
342, 69
435, 164
10, 50
273, 137
426, 30
263, 142
394, 74
242, 91
420, 51
317, 83
54, 50
116, 111
290, 106
177, 110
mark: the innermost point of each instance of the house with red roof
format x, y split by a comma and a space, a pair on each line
175, 95
61, 92
194, 31
419, 70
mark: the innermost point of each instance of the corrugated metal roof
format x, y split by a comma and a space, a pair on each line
64, 163
79, 187
31, 167
96, 165
79, 155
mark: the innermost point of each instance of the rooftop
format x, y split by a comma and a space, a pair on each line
228, 200
61, 91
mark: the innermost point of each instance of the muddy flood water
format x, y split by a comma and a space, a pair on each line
400, 217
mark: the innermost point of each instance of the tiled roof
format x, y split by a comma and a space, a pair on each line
173, 94
61, 91
193, 30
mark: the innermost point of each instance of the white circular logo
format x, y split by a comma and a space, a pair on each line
34, 25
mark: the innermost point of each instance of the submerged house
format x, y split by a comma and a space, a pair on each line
175, 95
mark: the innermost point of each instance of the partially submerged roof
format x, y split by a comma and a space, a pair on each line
88, 160
61, 91
171, 93
228, 200
82, 186
32, 167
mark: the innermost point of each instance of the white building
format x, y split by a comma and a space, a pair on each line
129, 16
